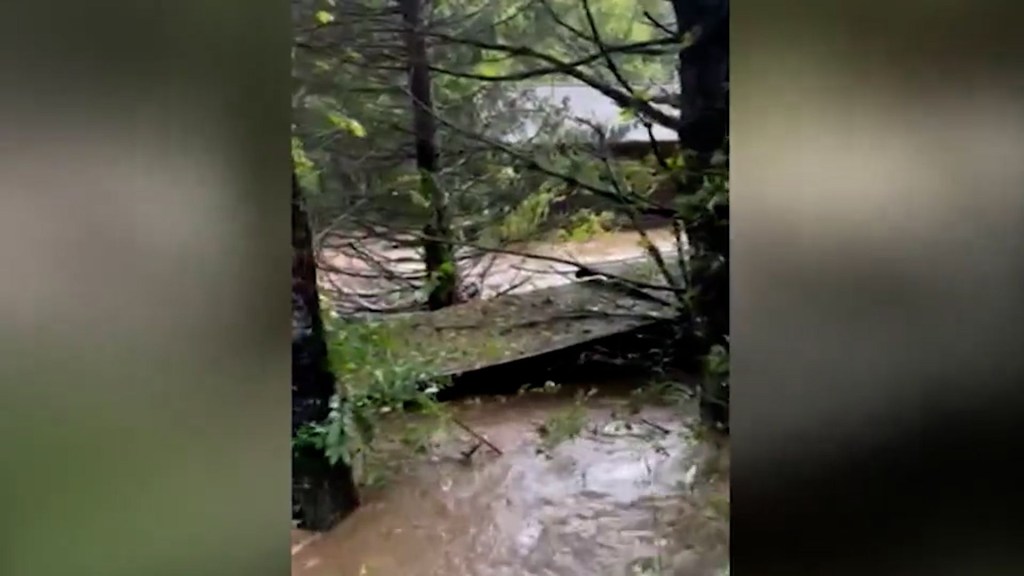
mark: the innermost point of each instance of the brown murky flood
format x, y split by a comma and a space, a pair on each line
369, 267
633, 493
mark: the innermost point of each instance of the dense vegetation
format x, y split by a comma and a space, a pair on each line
431, 124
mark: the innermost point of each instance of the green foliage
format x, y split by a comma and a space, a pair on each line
345, 123
537, 26
324, 17
326, 114
586, 224
641, 177
446, 275
380, 380
413, 185
305, 166
701, 206
327, 436
489, 68
356, 77
658, 392
716, 364
305, 170
565, 424
579, 162
715, 386
490, 198
523, 222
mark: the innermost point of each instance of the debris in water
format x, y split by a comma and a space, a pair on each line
474, 434
656, 426
617, 428
690, 476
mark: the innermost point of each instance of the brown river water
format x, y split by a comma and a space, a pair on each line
632, 494
364, 272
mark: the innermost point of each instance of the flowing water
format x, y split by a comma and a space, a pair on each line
632, 493
372, 272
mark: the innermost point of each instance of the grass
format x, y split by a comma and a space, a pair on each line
380, 381
565, 424
658, 392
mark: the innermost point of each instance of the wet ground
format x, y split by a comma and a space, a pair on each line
633, 493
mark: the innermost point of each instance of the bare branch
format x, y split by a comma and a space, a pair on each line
545, 257
620, 97
646, 206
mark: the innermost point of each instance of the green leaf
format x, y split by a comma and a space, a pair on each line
488, 68
324, 17
357, 129
303, 165
418, 198
347, 124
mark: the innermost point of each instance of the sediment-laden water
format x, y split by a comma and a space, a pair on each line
632, 493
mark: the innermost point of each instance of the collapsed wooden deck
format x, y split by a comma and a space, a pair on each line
515, 327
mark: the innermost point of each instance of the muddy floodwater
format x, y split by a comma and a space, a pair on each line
633, 493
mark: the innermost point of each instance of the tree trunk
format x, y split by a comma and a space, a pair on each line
704, 113
438, 256
325, 493
703, 76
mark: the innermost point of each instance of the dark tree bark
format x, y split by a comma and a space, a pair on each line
704, 127
703, 76
437, 254
325, 493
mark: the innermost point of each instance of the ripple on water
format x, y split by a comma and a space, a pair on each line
596, 506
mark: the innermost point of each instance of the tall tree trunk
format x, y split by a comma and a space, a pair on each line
438, 256
704, 113
325, 493
703, 76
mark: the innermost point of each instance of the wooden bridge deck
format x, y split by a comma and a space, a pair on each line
515, 327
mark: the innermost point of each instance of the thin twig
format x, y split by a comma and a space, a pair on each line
557, 260
476, 435
656, 426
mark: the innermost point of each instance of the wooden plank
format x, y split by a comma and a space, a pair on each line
515, 327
